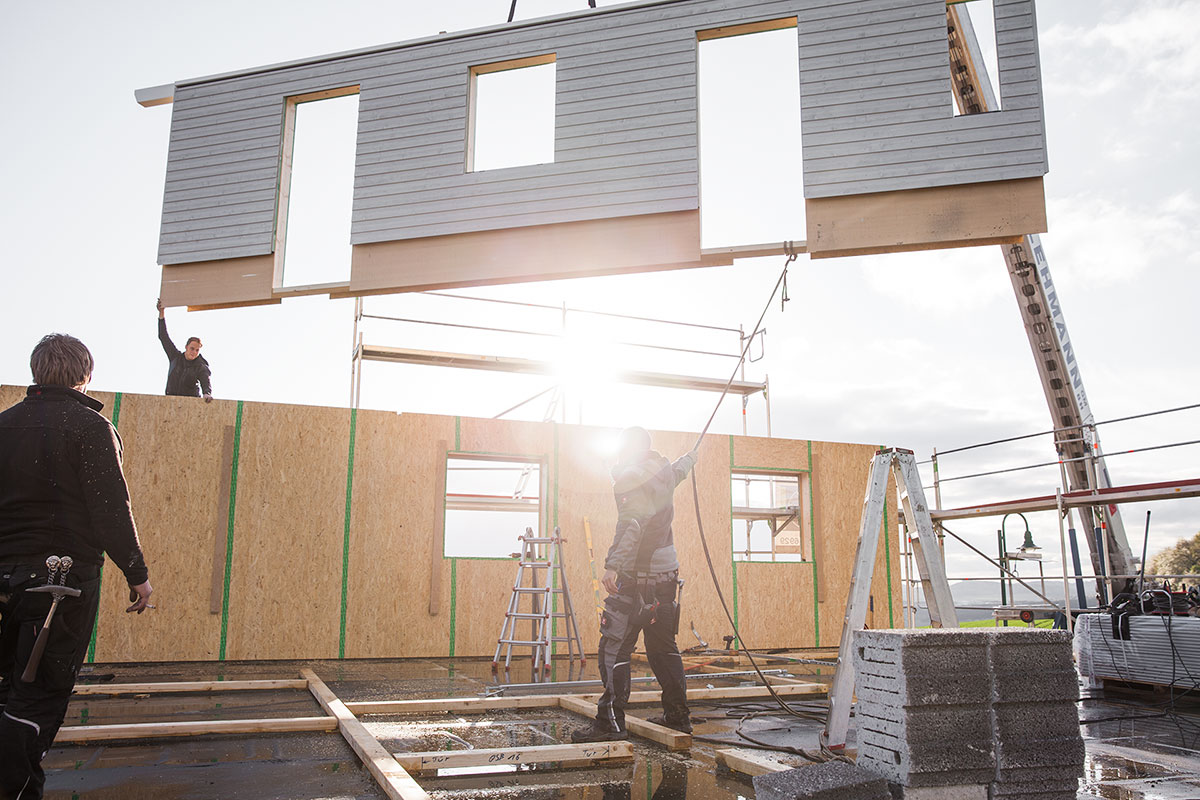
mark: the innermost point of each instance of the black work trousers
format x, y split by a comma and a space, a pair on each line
627, 614
32, 712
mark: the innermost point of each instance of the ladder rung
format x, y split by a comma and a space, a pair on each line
532, 589
527, 616
535, 540
520, 641
536, 564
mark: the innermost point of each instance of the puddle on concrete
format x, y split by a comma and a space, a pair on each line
1135, 752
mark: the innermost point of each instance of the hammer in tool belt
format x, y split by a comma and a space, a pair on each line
59, 566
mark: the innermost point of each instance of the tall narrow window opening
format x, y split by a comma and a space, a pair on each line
751, 172
316, 191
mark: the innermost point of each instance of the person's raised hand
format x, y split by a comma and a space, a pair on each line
140, 596
208, 398
161, 313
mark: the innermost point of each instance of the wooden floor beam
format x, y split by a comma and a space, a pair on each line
155, 730
541, 754
391, 777
458, 705
748, 763
185, 687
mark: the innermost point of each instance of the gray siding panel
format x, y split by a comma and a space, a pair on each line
875, 113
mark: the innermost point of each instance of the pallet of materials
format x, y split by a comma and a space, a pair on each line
1151, 648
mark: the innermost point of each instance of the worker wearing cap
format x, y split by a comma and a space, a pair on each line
642, 580
189, 374
62, 493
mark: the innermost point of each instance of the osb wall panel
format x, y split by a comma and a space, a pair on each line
775, 605
290, 517
840, 473
173, 463
392, 541
285, 591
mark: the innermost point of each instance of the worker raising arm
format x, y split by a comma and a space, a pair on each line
189, 374
642, 578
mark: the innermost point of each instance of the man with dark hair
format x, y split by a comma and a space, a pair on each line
63, 505
189, 374
642, 580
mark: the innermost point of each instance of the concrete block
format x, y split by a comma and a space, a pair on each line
1071, 794
1046, 783
833, 780
914, 688
918, 725
896, 771
895, 639
1010, 775
1016, 722
1035, 686
928, 756
1038, 755
976, 791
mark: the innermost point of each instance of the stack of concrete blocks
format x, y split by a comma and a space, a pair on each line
924, 711
969, 714
1039, 749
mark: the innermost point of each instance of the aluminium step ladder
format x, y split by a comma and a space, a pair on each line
542, 557
927, 554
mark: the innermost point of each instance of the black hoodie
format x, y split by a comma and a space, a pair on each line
645, 492
62, 490
185, 378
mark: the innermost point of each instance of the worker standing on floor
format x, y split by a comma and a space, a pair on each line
189, 374
63, 505
642, 580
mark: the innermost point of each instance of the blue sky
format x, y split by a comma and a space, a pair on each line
915, 350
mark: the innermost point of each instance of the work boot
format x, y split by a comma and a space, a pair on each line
595, 733
681, 724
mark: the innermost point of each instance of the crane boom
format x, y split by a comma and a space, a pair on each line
1045, 325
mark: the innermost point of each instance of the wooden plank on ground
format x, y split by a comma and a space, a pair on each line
182, 687
668, 737
591, 751
730, 692
748, 763
460, 705
154, 730
391, 777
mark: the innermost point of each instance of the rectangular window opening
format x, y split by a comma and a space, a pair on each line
974, 81
771, 517
510, 115
751, 172
490, 501
316, 189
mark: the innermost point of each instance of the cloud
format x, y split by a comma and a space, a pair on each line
1152, 45
1102, 242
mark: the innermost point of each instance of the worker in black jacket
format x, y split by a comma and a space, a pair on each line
62, 493
642, 580
189, 374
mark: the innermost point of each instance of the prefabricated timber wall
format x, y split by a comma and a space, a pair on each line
281, 531
887, 164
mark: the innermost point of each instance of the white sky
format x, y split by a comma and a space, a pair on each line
913, 350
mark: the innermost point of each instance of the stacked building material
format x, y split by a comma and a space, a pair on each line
924, 707
1160, 650
1034, 688
973, 713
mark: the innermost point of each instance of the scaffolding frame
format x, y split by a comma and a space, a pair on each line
1092, 505
362, 351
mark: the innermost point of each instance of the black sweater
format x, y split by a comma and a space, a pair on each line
184, 378
62, 490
